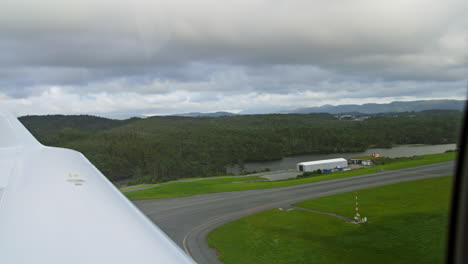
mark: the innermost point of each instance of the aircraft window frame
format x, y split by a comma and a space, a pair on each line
457, 243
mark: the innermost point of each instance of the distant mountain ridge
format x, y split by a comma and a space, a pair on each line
393, 107
198, 114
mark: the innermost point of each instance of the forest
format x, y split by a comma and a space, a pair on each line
163, 148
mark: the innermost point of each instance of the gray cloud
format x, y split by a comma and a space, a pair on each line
197, 55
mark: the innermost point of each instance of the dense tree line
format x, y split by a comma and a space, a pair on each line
163, 148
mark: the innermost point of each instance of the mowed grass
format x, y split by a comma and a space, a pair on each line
135, 186
408, 224
175, 189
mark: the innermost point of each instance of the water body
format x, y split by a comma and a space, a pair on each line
398, 151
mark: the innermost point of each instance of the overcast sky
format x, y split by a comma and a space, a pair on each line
147, 57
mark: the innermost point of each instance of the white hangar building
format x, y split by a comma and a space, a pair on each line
322, 164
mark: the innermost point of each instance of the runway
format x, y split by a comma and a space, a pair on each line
187, 220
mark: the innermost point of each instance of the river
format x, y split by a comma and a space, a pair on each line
398, 151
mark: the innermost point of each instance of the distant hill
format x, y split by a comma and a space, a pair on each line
393, 107
163, 148
198, 114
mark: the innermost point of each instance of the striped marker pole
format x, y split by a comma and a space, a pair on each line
358, 216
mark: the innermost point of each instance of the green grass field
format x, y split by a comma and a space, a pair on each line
408, 223
237, 177
175, 189
135, 186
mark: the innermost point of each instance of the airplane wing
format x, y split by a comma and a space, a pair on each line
56, 207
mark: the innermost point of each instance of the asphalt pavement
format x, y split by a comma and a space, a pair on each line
188, 220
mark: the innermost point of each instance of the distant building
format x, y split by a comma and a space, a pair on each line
345, 117
322, 165
364, 162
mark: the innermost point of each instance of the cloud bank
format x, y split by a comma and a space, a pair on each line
160, 57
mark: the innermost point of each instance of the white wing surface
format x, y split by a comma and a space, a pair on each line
56, 207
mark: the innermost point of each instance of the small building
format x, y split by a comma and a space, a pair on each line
363, 162
366, 162
322, 165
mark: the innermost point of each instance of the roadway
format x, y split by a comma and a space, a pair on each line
188, 220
